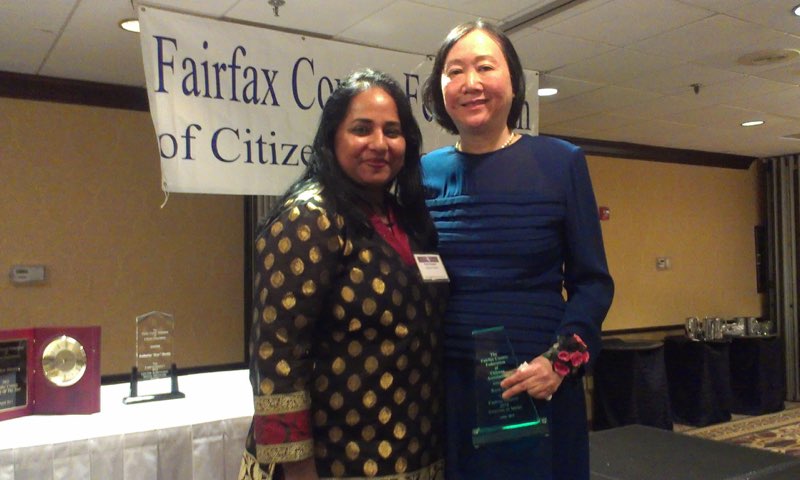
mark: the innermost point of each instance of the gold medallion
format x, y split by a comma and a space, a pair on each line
64, 361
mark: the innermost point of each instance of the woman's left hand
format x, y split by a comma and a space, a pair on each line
537, 379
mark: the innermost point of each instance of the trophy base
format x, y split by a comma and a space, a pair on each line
135, 398
153, 398
503, 433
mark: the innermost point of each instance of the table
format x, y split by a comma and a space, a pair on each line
630, 385
200, 437
698, 373
757, 375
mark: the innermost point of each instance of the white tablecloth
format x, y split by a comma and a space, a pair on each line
200, 437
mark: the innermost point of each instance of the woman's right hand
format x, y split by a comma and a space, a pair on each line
536, 378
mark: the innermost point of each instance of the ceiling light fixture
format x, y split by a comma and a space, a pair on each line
768, 57
129, 25
547, 91
796, 10
753, 123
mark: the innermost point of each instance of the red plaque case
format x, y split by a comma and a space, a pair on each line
16, 371
26, 387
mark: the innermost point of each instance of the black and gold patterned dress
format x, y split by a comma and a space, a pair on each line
346, 351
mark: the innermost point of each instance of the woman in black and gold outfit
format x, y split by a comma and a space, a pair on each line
345, 344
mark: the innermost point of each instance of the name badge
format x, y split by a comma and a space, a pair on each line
431, 267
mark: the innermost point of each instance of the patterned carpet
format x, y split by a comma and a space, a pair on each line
777, 432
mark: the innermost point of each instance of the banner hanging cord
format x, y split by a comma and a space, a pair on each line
166, 193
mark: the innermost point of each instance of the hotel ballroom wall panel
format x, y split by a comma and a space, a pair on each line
701, 218
81, 195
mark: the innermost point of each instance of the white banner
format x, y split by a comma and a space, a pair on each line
235, 107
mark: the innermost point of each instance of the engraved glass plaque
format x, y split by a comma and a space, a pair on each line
13, 374
499, 420
154, 344
155, 356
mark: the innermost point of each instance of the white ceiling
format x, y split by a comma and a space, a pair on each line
624, 68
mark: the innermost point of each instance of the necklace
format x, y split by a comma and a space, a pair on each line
508, 142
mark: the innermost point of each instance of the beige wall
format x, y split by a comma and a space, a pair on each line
81, 194
700, 217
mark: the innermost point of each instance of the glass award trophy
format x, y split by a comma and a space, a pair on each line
500, 420
155, 340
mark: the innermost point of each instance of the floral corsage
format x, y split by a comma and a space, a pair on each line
568, 354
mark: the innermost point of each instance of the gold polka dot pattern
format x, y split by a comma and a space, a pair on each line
309, 288
303, 233
277, 279
348, 294
370, 468
269, 261
344, 317
356, 275
297, 266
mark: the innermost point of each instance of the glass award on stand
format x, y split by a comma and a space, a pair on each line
155, 341
500, 420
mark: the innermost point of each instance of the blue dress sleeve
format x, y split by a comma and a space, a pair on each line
587, 281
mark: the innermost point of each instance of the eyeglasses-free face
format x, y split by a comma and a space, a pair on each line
369, 143
476, 85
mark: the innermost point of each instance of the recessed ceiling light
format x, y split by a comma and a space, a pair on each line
753, 123
129, 25
796, 10
547, 92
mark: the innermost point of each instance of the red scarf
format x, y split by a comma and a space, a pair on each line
393, 234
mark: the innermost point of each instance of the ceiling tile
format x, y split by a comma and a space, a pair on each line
616, 66
722, 6
723, 92
48, 15
23, 56
27, 34
679, 78
716, 34
622, 22
210, 8
772, 41
481, 8
723, 116
783, 102
567, 87
544, 51
595, 101
658, 132
659, 108
591, 125
564, 14
761, 141
786, 74
390, 27
776, 14
98, 51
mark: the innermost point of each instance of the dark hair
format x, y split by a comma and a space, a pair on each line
432, 89
346, 196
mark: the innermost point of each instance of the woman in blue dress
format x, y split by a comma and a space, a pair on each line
520, 236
